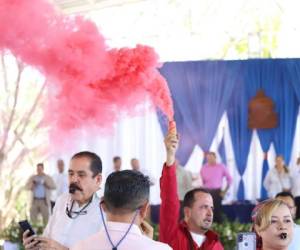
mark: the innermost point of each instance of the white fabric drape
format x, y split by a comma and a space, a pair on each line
141, 138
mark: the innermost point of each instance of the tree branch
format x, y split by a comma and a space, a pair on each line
12, 114
4, 73
26, 119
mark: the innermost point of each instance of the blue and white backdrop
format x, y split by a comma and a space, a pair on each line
211, 110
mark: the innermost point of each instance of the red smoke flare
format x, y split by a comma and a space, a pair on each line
89, 84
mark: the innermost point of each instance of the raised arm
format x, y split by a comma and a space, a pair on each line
169, 209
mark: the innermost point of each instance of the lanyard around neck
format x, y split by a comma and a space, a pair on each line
114, 247
82, 211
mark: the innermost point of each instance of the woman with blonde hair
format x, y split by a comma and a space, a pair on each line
273, 224
278, 178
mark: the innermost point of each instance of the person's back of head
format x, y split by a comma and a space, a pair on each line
126, 191
126, 199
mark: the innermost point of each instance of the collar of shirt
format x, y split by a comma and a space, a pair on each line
198, 238
76, 205
123, 227
69, 231
209, 235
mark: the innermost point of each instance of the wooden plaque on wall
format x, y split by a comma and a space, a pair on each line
262, 113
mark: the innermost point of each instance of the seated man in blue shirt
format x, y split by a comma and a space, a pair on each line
288, 198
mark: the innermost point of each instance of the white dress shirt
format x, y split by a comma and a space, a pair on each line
295, 175
61, 182
275, 183
69, 231
134, 239
198, 238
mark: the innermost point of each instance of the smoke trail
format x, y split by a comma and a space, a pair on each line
90, 84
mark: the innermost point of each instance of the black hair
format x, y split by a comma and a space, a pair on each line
126, 191
189, 197
116, 158
96, 163
212, 153
40, 164
284, 194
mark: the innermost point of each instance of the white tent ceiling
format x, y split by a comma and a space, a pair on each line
197, 29
81, 6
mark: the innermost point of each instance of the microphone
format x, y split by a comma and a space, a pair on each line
283, 236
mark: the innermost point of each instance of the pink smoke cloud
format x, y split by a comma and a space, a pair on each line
88, 82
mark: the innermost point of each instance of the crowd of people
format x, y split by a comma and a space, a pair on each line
81, 220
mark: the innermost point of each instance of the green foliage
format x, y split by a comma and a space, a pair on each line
227, 232
156, 231
265, 29
13, 233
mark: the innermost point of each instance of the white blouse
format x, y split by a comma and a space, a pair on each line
295, 175
275, 183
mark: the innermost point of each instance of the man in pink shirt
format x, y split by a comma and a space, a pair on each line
212, 174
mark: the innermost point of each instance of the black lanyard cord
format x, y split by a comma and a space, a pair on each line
69, 212
114, 247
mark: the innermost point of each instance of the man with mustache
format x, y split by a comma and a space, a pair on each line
126, 200
193, 233
76, 215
